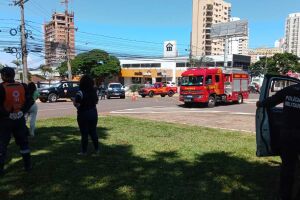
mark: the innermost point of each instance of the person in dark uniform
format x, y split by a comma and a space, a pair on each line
102, 91
15, 101
87, 116
289, 135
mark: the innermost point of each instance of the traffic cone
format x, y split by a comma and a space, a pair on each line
133, 98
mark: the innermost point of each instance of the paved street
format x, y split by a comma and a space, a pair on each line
231, 117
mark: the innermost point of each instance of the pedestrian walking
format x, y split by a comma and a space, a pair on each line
289, 135
102, 90
32, 113
87, 116
15, 101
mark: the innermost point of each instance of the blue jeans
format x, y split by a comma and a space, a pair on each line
87, 121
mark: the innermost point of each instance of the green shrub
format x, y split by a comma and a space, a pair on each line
135, 87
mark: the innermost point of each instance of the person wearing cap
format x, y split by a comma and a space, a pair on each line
15, 101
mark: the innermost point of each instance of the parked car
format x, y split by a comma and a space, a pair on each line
63, 89
115, 90
158, 89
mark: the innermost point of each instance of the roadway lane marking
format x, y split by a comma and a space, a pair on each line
156, 110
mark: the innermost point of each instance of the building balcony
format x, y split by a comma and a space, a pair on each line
208, 43
210, 7
209, 13
209, 19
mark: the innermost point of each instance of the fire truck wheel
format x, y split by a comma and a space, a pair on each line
170, 93
151, 94
162, 95
240, 99
211, 102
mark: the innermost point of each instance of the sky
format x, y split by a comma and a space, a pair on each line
139, 27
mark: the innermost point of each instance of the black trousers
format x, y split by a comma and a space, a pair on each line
18, 129
87, 121
290, 149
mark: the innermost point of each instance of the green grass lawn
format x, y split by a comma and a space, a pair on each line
140, 160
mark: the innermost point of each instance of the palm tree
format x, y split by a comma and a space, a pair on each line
46, 69
18, 63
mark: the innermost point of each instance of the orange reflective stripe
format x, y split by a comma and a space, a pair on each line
14, 99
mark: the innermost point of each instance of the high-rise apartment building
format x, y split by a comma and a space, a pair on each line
292, 34
56, 32
238, 45
280, 44
205, 14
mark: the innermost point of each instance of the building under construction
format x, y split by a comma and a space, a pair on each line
59, 35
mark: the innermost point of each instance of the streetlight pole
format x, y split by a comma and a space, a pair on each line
226, 53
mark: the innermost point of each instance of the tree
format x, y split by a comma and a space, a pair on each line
286, 62
96, 63
18, 63
280, 63
203, 61
46, 69
62, 69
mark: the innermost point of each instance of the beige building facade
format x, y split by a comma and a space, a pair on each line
205, 14
56, 34
258, 53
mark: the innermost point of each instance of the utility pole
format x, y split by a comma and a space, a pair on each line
226, 53
66, 2
23, 40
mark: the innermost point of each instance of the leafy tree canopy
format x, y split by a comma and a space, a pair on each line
96, 63
280, 63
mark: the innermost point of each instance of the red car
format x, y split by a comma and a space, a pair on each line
158, 89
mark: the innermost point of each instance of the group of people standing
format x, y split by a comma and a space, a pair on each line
18, 101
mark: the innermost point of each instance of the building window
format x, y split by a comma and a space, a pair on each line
156, 65
146, 65
136, 65
126, 65
136, 80
180, 64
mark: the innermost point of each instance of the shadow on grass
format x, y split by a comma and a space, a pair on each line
117, 173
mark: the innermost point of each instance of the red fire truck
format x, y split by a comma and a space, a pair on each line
212, 85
